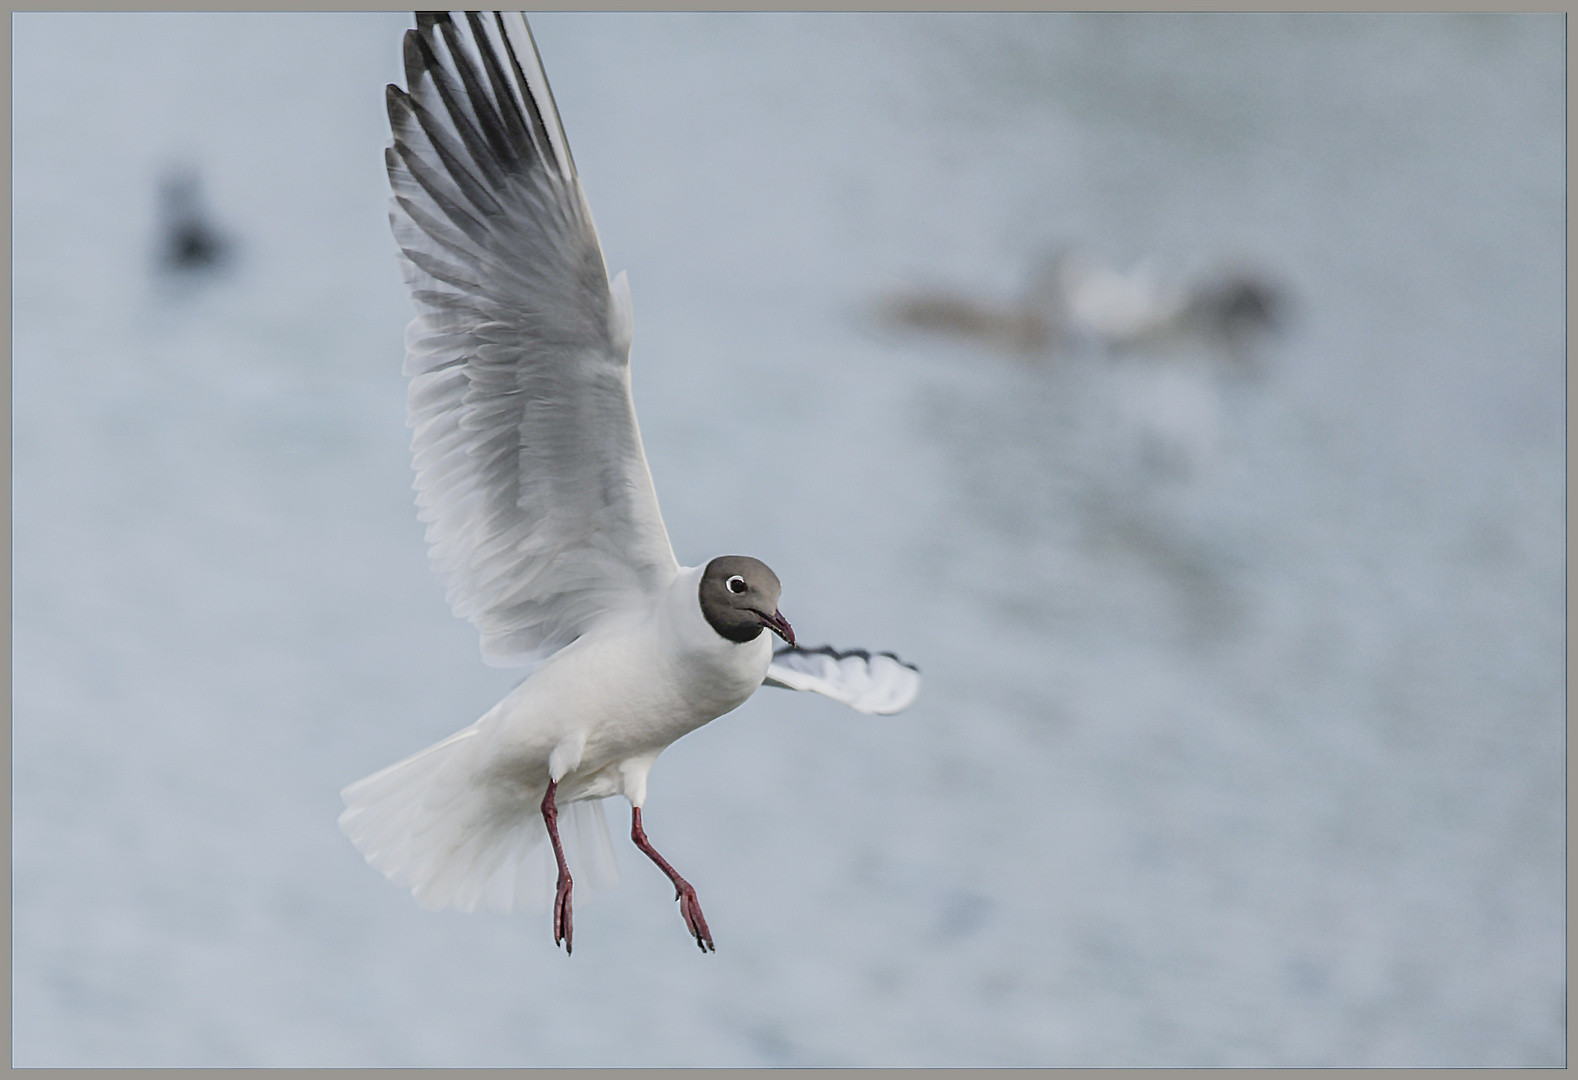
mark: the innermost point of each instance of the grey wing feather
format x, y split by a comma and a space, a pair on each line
870, 683
541, 515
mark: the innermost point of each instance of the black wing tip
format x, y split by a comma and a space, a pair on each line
396, 98
417, 53
836, 654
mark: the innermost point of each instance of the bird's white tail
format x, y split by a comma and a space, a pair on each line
435, 824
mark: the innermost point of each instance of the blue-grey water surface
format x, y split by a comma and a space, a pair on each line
1259, 763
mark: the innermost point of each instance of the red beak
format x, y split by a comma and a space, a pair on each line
778, 625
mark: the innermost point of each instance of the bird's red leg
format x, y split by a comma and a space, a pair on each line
689, 906
561, 901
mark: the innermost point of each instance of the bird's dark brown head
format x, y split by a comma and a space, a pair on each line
739, 598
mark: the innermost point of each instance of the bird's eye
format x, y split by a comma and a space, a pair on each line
736, 584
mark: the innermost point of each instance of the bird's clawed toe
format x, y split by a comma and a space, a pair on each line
563, 923
695, 921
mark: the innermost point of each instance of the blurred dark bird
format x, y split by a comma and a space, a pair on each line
1238, 306
189, 241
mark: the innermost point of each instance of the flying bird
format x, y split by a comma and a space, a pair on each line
541, 516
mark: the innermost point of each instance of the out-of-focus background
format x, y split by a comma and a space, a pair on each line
1241, 740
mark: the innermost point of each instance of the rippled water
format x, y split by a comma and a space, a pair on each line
1257, 761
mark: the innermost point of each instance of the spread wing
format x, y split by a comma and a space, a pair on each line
878, 683
531, 477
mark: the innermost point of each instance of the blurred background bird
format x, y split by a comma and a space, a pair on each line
190, 242
1075, 300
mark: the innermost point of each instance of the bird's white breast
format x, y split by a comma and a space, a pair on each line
631, 687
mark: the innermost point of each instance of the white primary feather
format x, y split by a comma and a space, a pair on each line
879, 683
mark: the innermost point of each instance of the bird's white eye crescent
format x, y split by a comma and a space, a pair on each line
736, 584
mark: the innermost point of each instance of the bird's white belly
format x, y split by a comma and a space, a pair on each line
617, 697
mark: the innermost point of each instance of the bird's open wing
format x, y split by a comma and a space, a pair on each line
530, 472
878, 683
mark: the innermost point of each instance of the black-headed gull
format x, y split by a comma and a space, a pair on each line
542, 519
